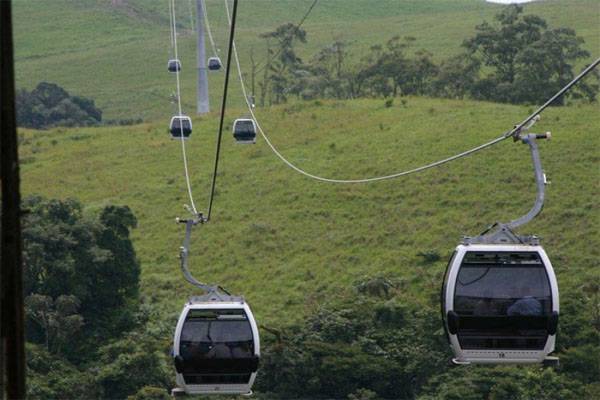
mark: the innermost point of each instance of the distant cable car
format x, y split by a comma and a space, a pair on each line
180, 125
244, 130
216, 346
500, 299
214, 63
174, 66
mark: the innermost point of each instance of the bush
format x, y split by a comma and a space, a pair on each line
49, 105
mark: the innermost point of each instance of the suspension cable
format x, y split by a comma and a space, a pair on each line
298, 25
192, 25
223, 106
333, 180
499, 139
209, 31
179, 109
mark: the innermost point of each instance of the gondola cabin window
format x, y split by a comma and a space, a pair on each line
503, 300
225, 334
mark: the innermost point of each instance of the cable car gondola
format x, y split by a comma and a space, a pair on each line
244, 131
500, 299
216, 346
214, 63
181, 125
173, 65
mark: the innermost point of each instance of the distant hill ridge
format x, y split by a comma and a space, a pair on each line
116, 52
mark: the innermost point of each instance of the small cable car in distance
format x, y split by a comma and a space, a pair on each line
214, 63
244, 130
500, 299
180, 126
216, 345
173, 65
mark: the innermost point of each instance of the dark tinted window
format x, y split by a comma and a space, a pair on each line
216, 334
504, 283
503, 301
244, 128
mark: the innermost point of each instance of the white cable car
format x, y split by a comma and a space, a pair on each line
244, 131
214, 63
500, 299
180, 126
216, 346
501, 304
173, 65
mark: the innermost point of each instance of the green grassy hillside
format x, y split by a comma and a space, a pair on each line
117, 54
287, 242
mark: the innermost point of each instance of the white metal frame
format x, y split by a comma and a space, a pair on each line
497, 356
216, 388
253, 141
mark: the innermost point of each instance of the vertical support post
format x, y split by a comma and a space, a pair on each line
11, 263
203, 106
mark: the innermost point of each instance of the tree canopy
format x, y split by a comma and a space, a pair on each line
49, 105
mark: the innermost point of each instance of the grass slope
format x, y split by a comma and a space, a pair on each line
117, 55
287, 242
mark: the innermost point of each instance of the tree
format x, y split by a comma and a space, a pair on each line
389, 71
129, 364
87, 257
500, 46
51, 377
528, 62
58, 319
50, 105
456, 77
285, 61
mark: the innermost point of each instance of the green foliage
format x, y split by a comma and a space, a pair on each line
364, 346
282, 60
51, 377
520, 61
529, 62
150, 393
131, 363
58, 319
49, 105
88, 261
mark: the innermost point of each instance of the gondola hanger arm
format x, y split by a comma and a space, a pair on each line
540, 178
504, 231
184, 253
